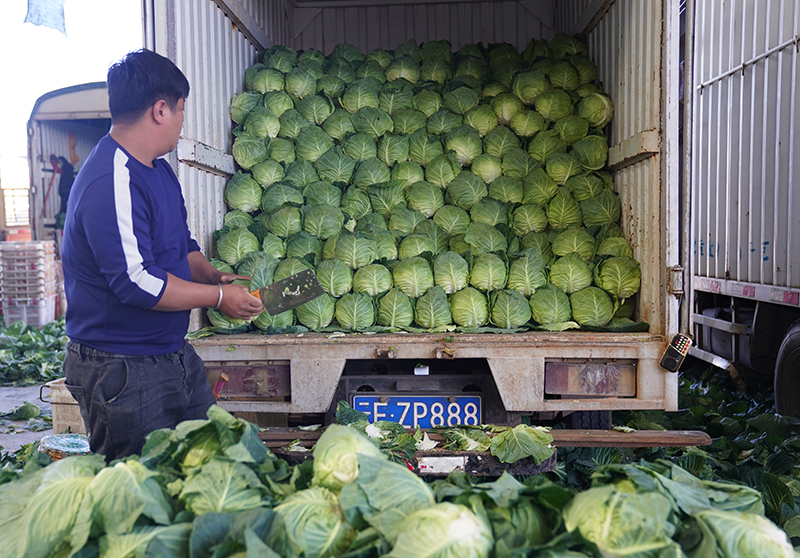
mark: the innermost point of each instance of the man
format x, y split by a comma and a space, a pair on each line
132, 271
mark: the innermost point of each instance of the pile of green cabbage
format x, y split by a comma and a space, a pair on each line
430, 189
210, 488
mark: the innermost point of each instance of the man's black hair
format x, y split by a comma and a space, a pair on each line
140, 79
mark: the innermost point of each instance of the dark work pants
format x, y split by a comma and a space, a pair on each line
123, 398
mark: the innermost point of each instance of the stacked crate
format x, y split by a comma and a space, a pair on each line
29, 282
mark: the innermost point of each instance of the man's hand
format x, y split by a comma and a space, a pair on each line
237, 302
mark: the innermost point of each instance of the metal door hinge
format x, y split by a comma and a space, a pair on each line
676, 280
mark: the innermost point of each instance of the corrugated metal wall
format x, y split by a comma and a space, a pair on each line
391, 25
746, 217
53, 137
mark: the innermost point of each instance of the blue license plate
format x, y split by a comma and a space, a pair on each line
424, 411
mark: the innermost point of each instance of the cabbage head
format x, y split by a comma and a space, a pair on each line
236, 218
404, 67
409, 172
233, 245
355, 202
404, 220
273, 246
304, 244
487, 167
373, 279
408, 121
262, 123
591, 307
267, 322
278, 102
490, 211
427, 101
424, 147
360, 147
317, 313
414, 245
380, 56
385, 245
527, 123
563, 211
372, 69
249, 150
564, 75
282, 151
528, 85
483, 238
286, 222
570, 273
538, 188
386, 196
620, 276
571, 129
451, 272
335, 166
575, 239
528, 272
505, 106
300, 83
615, 246
395, 309
222, 321
460, 100
510, 309
338, 125
527, 218
465, 143
356, 250
469, 307
372, 121
591, 152
315, 523
268, 172
452, 219
435, 233
564, 45
393, 148
433, 309
323, 221
561, 166
413, 276
466, 189
242, 104
597, 109
355, 311
425, 198
335, 277
313, 143
322, 193
544, 144
280, 195
584, 186
553, 104
488, 273
336, 454
603, 209
370, 172
444, 530
517, 163
441, 170
550, 305
439, 71
500, 141
292, 123
507, 189
443, 121
482, 118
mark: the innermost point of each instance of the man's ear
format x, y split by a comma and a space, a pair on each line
159, 111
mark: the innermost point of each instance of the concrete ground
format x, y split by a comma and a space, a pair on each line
12, 434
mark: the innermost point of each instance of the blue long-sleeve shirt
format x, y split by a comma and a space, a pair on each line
125, 230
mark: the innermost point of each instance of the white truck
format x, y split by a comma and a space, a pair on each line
538, 376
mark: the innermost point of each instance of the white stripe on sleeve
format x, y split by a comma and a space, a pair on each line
122, 203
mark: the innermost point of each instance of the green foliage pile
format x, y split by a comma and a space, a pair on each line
30, 356
430, 190
210, 488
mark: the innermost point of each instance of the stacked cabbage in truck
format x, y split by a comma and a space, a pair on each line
341, 79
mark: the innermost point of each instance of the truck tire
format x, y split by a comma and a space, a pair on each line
787, 373
590, 420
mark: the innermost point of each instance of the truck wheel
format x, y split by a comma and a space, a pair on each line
590, 420
787, 373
